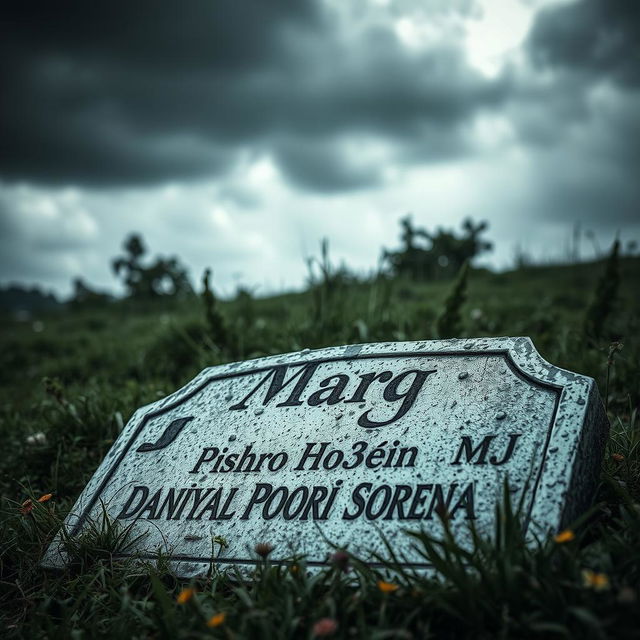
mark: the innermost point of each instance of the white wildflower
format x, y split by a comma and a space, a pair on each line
36, 439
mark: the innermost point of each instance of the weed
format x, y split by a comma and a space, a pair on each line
605, 296
216, 323
449, 323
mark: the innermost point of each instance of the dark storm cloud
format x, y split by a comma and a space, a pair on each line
113, 93
106, 92
322, 167
577, 110
583, 45
593, 36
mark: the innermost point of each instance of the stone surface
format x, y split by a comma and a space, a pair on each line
347, 444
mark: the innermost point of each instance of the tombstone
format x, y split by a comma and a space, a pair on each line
347, 445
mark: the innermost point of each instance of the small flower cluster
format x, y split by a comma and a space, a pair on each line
187, 594
565, 536
340, 560
216, 620
263, 549
27, 506
36, 439
594, 580
324, 627
387, 587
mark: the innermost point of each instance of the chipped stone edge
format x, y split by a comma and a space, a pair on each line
580, 433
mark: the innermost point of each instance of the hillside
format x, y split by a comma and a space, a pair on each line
71, 377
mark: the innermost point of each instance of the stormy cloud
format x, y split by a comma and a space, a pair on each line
238, 133
597, 37
152, 91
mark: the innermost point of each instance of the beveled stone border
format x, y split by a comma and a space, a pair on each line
575, 432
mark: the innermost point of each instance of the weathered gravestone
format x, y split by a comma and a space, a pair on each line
345, 444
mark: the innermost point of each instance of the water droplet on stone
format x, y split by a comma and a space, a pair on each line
462, 375
232, 438
501, 415
580, 400
258, 411
468, 346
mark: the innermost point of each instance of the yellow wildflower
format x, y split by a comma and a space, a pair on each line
185, 595
565, 536
594, 580
387, 587
216, 620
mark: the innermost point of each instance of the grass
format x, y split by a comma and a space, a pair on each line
69, 381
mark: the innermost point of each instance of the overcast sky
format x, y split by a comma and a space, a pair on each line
238, 133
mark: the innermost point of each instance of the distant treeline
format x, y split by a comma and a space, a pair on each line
27, 299
422, 256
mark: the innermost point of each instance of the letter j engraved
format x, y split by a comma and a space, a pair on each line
167, 437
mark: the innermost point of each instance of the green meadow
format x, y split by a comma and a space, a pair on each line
72, 377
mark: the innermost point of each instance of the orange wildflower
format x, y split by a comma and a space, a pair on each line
26, 507
387, 587
216, 620
594, 580
565, 536
617, 457
185, 595
46, 497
